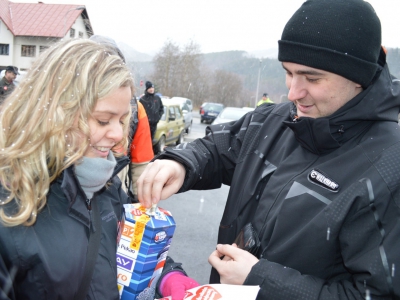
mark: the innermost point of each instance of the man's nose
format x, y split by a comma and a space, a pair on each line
297, 89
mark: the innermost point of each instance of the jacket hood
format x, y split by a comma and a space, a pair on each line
379, 102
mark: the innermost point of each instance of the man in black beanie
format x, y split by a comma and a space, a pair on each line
153, 106
314, 182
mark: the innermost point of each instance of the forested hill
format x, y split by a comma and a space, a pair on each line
240, 63
271, 73
272, 76
229, 77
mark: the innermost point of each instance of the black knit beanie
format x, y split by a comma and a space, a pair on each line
148, 85
338, 36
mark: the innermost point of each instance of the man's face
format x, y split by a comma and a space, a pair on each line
317, 93
10, 76
150, 90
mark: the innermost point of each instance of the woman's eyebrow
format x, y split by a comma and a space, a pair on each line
109, 112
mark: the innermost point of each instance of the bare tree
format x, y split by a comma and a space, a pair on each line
200, 90
226, 88
190, 69
166, 67
181, 73
176, 72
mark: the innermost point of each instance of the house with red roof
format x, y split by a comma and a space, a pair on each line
27, 29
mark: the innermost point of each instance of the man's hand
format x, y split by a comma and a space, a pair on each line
235, 266
160, 180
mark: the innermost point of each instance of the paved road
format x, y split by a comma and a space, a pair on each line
197, 215
198, 129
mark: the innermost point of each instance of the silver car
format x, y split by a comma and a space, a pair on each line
229, 114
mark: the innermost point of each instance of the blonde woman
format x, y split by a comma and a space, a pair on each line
58, 130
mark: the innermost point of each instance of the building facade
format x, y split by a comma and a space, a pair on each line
27, 29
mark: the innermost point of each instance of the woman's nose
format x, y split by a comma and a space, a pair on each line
116, 132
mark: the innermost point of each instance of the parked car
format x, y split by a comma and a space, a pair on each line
188, 117
229, 114
184, 100
248, 108
170, 128
210, 111
204, 103
187, 113
164, 98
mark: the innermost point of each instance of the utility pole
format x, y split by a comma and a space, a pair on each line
258, 85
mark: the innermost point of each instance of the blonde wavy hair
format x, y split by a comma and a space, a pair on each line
43, 122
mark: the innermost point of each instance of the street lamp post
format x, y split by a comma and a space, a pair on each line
65, 16
258, 84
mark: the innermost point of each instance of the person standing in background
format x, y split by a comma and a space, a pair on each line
153, 106
6, 83
139, 151
265, 99
141, 148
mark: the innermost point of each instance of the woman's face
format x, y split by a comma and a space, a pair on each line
106, 122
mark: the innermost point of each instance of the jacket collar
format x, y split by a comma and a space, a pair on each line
75, 195
77, 207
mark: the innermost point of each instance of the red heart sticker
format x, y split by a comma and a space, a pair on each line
207, 293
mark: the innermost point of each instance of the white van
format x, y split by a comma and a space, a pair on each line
183, 100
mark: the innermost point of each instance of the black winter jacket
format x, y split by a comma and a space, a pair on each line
153, 106
323, 194
6, 88
50, 256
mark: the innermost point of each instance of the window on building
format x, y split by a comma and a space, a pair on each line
81, 34
43, 48
28, 50
72, 32
4, 49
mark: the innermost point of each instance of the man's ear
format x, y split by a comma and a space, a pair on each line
382, 56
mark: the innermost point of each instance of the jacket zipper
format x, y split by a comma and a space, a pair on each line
89, 204
89, 207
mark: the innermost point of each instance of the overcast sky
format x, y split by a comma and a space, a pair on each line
216, 25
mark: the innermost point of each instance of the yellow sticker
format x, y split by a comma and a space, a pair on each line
140, 226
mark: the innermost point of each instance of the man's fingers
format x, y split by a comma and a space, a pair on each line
229, 250
144, 185
236, 267
215, 258
220, 254
160, 180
